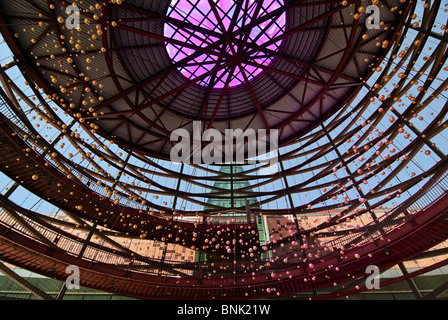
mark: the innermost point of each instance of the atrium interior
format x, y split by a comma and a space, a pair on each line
347, 200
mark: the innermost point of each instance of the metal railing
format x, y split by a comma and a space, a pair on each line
105, 255
433, 190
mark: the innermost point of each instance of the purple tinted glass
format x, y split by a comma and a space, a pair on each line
213, 42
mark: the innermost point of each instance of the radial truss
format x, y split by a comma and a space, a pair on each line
361, 115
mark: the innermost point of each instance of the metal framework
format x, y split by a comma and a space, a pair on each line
361, 115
